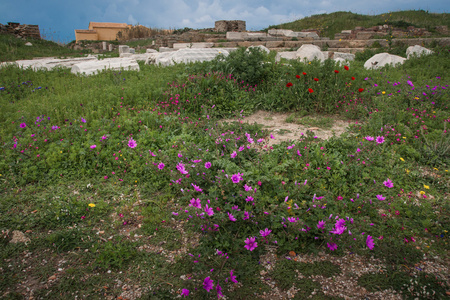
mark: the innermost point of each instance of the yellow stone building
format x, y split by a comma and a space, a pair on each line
100, 31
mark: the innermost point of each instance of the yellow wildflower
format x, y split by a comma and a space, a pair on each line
422, 192
436, 169
407, 171
383, 92
426, 186
401, 158
91, 205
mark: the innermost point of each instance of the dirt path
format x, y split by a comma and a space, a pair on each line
284, 131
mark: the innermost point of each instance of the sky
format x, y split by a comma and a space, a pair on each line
57, 19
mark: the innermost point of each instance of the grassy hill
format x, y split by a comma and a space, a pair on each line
12, 48
330, 24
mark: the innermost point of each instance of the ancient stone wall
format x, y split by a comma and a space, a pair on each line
23, 31
234, 25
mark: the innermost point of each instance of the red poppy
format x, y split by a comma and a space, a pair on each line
304, 73
353, 78
316, 79
360, 90
298, 76
289, 84
310, 90
336, 71
346, 68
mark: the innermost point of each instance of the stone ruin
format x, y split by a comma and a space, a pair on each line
21, 31
361, 33
224, 26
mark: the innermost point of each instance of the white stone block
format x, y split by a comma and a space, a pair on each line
381, 59
417, 51
93, 67
124, 49
235, 36
344, 56
310, 52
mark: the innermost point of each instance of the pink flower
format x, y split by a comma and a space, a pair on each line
93, 146
236, 178
249, 199
196, 203
381, 198
232, 277
340, 198
369, 242
380, 139
132, 143
321, 225
207, 165
208, 210
233, 155
161, 166
265, 232
185, 292
259, 183
208, 284
388, 183
231, 217
23, 125
250, 243
332, 246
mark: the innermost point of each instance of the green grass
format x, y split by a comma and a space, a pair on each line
330, 24
12, 48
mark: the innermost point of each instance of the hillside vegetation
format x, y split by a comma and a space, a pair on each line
330, 24
12, 48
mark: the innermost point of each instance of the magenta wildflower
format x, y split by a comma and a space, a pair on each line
338, 229
83, 120
161, 166
93, 146
219, 291
235, 178
247, 188
246, 215
232, 277
369, 138
196, 187
340, 198
271, 136
231, 217
265, 232
208, 284
380, 139
381, 198
185, 292
207, 165
180, 167
369, 242
23, 125
104, 137
196, 203
233, 155
250, 243
388, 183
321, 225
208, 210
249, 199
332, 246
132, 143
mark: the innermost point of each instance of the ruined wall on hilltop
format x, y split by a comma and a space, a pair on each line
225, 26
